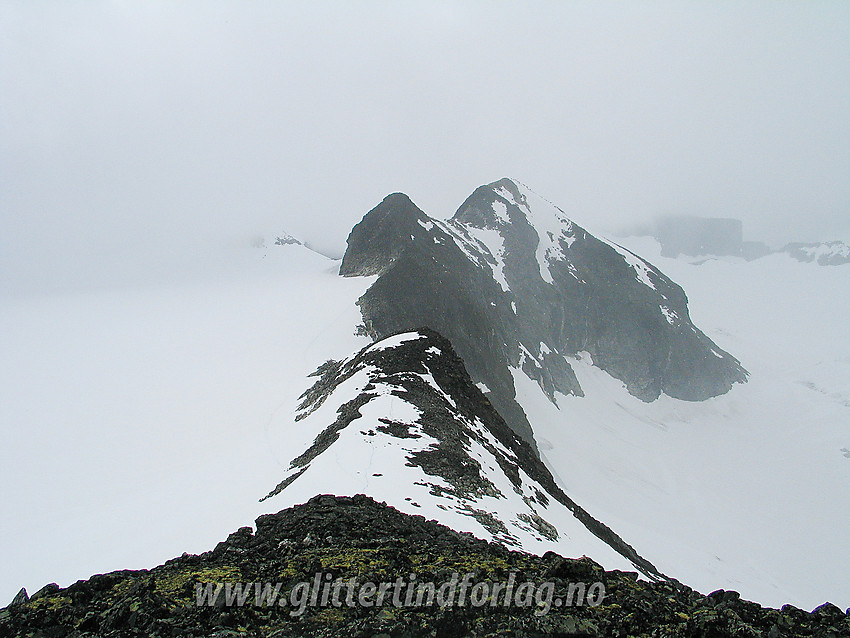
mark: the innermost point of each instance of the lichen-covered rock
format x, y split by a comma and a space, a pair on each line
361, 539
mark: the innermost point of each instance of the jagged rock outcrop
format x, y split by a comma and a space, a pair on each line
516, 285
341, 539
21, 597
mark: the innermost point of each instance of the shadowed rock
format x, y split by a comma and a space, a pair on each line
514, 284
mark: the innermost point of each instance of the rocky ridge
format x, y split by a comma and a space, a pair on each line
516, 286
359, 538
406, 407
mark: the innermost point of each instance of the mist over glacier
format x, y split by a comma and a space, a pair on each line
149, 421
152, 350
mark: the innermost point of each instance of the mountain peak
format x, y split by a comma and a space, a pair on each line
512, 208
383, 234
519, 288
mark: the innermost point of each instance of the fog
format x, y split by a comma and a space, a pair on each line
141, 142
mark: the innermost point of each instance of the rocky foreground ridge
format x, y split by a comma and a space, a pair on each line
359, 538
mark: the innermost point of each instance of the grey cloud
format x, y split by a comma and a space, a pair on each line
141, 136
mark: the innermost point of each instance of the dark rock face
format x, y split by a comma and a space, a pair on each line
513, 283
343, 538
369, 253
423, 370
427, 280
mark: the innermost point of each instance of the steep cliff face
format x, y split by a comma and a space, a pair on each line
513, 283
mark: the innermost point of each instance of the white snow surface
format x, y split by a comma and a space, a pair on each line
749, 491
483, 246
491, 243
396, 340
137, 421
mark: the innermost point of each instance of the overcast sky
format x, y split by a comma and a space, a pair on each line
144, 136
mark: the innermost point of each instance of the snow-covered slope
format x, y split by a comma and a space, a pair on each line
402, 422
136, 421
745, 491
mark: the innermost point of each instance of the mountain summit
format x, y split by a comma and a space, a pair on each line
515, 285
